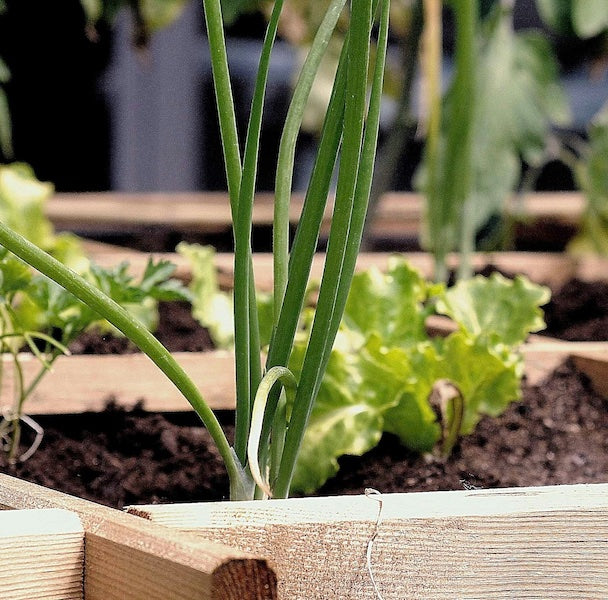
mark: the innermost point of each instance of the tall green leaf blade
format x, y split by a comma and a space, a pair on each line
592, 176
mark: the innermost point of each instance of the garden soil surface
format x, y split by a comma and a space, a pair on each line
555, 435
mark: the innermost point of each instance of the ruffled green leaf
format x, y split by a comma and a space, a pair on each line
488, 379
415, 372
22, 200
390, 304
347, 417
496, 309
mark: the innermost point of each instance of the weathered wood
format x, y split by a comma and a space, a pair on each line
41, 555
130, 559
86, 383
543, 355
131, 378
514, 543
595, 366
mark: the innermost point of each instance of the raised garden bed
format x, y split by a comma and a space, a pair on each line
512, 543
134, 377
557, 528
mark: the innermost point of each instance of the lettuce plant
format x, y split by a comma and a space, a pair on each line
269, 431
384, 370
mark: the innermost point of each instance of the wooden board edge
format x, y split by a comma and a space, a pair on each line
41, 554
364, 507
127, 558
534, 542
396, 212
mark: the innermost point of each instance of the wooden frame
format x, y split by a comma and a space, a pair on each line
134, 377
549, 542
534, 542
399, 214
126, 558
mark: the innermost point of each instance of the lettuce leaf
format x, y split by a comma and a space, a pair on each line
391, 304
347, 417
210, 306
383, 367
495, 309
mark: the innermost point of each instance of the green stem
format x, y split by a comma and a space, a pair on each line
224, 99
287, 148
132, 329
307, 233
17, 411
460, 140
403, 128
247, 354
345, 234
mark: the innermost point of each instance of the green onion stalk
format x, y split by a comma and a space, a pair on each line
272, 408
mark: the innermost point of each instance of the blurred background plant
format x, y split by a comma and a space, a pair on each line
539, 74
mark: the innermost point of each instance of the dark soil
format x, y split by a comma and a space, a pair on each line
177, 330
579, 312
556, 435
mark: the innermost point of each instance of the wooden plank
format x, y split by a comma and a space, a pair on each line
207, 212
512, 543
86, 382
399, 214
550, 269
127, 558
595, 366
41, 555
130, 378
542, 355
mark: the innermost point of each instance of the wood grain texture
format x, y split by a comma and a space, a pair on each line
86, 383
127, 558
41, 555
514, 543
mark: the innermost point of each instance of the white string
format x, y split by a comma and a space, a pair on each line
377, 496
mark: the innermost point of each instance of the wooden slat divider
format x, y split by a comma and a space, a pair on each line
41, 555
82, 383
127, 558
398, 213
548, 542
552, 269
133, 377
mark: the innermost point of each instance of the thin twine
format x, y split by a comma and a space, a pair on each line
377, 496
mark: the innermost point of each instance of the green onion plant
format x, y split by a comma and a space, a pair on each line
272, 407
